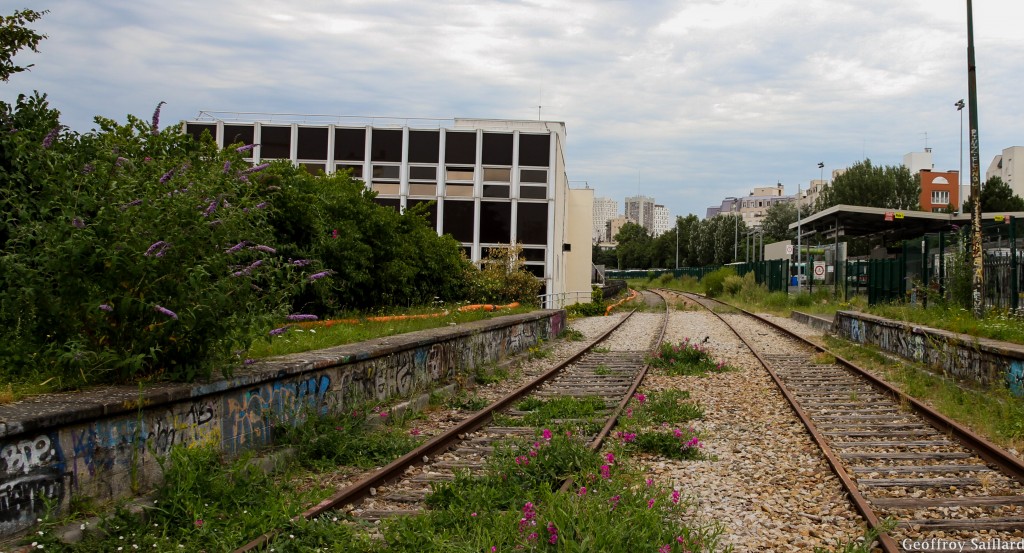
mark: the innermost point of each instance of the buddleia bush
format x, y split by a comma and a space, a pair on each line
128, 252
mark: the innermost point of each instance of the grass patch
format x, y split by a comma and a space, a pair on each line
602, 370
323, 442
567, 413
664, 407
993, 413
685, 359
466, 402
325, 335
203, 505
485, 376
997, 325
573, 335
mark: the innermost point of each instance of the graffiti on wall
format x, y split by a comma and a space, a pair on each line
106, 444
957, 359
32, 472
249, 415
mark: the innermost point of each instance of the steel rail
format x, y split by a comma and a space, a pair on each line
436, 445
886, 542
1009, 464
613, 417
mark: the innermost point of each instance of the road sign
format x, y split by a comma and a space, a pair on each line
888, 215
819, 270
789, 249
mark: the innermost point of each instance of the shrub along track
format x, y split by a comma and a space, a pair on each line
400, 488
896, 457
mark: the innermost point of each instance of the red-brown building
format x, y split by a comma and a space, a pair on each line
940, 190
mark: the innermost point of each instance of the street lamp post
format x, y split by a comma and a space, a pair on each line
960, 176
677, 243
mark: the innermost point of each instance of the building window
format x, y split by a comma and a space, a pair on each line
196, 130
385, 172
238, 134
940, 197
349, 144
355, 170
312, 143
456, 174
423, 146
532, 223
458, 220
387, 145
497, 149
275, 142
460, 147
496, 219
534, 150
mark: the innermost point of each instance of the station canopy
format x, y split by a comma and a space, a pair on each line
894, 224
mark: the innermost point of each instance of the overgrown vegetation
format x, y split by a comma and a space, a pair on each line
685, 358
134, 253
323, 441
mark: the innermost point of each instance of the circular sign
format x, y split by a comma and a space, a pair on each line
819, 270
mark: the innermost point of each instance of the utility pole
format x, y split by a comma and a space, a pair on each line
978, 281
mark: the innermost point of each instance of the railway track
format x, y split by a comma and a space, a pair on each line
943, 485
597, 375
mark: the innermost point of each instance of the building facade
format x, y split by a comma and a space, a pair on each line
485, 182
605, 209
940, 190
662, 220
1009, 166
640, 209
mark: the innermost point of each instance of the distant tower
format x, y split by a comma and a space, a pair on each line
605, 209
640, 209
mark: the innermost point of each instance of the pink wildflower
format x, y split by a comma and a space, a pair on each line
665, 548
610, 457
675, 496
650, 503
199, 523
546, 434
606, 472
583, 491
640, 398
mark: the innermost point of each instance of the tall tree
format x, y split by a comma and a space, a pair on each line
777, 219
996, 195
864, 184
14, 36
634, 247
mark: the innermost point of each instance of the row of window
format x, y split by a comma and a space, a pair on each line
459, 220
386, 144
940, 197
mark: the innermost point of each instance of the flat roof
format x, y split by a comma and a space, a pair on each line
855, 220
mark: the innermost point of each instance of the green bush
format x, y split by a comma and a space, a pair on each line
378, 257
503, 278
665, 279
714, 282
592, 309
732, 285
128, 253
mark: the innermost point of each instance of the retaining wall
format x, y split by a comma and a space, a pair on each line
989, 363
105, 443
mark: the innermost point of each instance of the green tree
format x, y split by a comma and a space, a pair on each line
601, 256
15, 36
633, 247
996, 195
777, 219
864, 184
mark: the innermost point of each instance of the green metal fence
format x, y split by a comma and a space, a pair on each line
774, 273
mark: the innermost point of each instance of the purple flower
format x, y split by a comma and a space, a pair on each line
552, 533
227, 166
236, 247
88, 168
106, 307
78, 223
120, 161
245, 148
261, 205
167, 176
249, 269
249, 361
132, 204
301, 262
278, 331
262, 248
50, 137
256, 169
301, 317
210, 209
273, 187
157, 248
214, 223
318, 276
156, 118
165, 311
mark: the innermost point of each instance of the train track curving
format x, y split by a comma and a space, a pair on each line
609, 376
943, 485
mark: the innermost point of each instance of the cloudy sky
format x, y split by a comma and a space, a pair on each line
687, 101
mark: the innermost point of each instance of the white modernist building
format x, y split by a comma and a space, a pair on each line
487, 182
662, 220
1009, 166
605, 209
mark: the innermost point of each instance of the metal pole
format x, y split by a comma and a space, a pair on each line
960, 176
735, 236
797, 237
978, 281
1014, 299
677, 243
